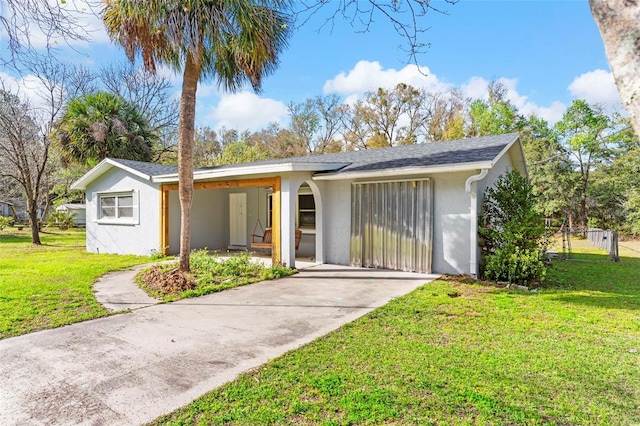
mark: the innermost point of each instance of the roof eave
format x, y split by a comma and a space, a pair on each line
406, 171
103, 167
220, 173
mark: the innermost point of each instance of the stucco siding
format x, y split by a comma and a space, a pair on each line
502, 166
451, 223
336, 196
210, 217
139, 238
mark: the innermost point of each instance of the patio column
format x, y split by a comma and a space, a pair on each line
288, 195
317, 197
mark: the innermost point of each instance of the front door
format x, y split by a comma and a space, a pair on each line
238, 220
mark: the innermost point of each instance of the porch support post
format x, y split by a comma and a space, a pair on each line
290, 184
276, 222
164, 220
288, 197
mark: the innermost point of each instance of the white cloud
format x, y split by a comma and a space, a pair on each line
247, 111
83, 14
597, 87
30, 89
169, 74
475, 88
368, 76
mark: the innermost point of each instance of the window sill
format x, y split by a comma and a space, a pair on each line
116, 222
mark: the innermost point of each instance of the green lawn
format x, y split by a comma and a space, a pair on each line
50, 285
455, 352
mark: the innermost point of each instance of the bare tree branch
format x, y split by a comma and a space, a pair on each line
404, 16
36, 27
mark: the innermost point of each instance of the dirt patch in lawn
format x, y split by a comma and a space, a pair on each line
167, 281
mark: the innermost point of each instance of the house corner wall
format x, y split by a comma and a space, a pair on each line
139, 239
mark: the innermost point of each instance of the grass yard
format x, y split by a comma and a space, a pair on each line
50, 285
455, 352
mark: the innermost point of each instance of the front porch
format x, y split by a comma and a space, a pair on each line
229, 215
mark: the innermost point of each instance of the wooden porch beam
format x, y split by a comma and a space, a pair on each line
241, 183
164, 219
276, 225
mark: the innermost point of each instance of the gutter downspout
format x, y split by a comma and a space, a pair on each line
473, 228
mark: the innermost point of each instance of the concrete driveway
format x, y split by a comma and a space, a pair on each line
134, 367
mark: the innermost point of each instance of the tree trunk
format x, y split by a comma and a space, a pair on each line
619, 25
33, 218
583, 209
186, 127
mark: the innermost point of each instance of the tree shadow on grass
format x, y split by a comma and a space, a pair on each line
605, 301
595, 280
14, 238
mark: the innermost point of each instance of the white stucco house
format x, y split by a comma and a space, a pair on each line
7, 209
410, 208
79, 212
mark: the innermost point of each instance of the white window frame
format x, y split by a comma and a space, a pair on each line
120, 220
300, 211
305, 229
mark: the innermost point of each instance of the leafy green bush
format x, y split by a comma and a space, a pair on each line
5, 221
62, 219
515, 265
512, 234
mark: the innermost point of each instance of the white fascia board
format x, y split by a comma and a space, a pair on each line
520, 162
104, 166
504, 151
406, 171
230, 172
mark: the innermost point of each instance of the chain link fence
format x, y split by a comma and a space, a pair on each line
605, 239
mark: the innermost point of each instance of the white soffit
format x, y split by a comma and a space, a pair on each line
406, 171
104, 166
242, 171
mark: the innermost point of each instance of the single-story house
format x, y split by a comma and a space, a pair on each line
78, 210
7, 209
412, 208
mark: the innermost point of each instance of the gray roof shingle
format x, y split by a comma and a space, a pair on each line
461, 151
150, 169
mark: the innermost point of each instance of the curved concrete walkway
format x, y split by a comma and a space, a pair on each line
131, 368
118, 291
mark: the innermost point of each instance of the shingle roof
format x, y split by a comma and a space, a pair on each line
462, 151
150, 169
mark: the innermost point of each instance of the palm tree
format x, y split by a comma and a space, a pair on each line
233, 41
100, 125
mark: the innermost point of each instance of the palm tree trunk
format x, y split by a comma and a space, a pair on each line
186, 127
617, 21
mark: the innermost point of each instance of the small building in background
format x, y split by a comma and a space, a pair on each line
79, 211
7, 209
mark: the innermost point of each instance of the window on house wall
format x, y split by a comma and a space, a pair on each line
120, 207
305, 211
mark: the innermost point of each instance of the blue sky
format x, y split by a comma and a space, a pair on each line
546, 52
